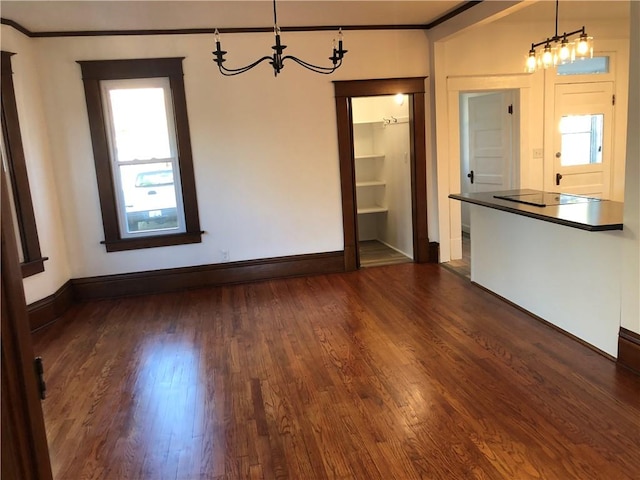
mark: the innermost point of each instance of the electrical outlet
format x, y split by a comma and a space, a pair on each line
538, 153
225, 255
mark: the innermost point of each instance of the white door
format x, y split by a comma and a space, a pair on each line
583, 131
490, 142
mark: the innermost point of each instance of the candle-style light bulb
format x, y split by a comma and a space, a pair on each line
547, 56
531, 61
564, 53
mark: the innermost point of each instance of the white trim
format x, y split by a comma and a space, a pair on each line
448, 147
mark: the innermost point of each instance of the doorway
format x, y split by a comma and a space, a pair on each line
489, 158
414, 91
381, 144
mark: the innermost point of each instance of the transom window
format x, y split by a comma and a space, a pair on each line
140, 134
587, 66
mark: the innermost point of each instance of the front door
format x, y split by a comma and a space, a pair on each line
583, 133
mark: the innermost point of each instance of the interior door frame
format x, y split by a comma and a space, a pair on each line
25, 453
513, 174
414, 87
449, 149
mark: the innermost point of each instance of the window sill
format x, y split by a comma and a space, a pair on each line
152, 242
33, 267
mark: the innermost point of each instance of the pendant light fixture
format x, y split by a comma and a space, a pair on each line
558, 49
277, 59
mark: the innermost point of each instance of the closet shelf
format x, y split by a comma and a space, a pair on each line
373, 209
370, 157
369, 122
372, 183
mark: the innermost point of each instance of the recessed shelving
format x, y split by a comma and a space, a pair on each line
370, 183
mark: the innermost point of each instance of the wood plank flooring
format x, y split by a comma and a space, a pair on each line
374, 253
399, 372
462, 266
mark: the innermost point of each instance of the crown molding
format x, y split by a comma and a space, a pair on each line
210, 31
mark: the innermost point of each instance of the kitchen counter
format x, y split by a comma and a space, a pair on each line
575, 211
569, 277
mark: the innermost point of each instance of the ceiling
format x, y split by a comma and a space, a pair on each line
54, 16
87, 15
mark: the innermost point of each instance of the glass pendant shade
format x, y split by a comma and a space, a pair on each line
564, 52
584, 46
547, 56
531, 62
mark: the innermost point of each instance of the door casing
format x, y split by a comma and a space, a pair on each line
414, 87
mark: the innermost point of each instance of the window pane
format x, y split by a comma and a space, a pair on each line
581, 139
149, 193
587, 66
139, 118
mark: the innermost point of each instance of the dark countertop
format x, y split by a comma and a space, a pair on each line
577, 211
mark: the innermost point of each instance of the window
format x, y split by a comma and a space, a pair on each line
587, 66
142, 152
13, 162
581, 137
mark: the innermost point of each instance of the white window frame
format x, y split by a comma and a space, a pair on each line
138, 83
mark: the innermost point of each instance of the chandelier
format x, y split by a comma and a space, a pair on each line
559, 50
277, 59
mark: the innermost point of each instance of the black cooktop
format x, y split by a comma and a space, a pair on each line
544, 199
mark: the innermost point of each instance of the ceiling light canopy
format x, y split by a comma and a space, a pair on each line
276, 60
558, 49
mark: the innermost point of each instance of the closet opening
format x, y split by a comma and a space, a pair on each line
379, 210
382, 165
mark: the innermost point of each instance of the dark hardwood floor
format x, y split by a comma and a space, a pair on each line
462, 266
374, 253
399, 372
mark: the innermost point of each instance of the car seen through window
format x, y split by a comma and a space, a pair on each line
150, 198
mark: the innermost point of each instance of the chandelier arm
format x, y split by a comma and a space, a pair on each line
235, 71
558, 37
311, 66
276, 60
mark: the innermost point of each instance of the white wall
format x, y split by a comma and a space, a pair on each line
630, 316
265, 149
398, 229
566, 276
38, 157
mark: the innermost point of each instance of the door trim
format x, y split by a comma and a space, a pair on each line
344, 91
447, 126
25, 453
